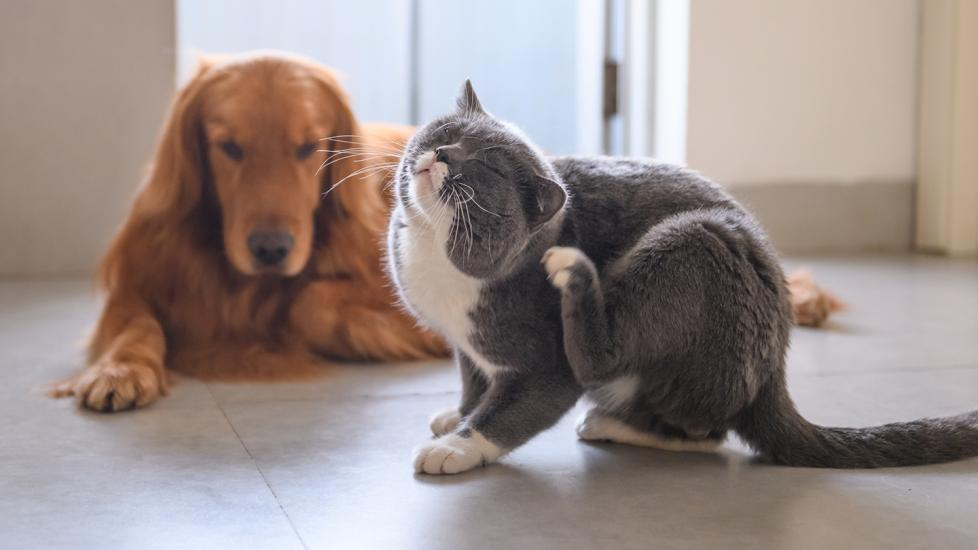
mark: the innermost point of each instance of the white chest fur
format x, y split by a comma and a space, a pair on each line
440, 294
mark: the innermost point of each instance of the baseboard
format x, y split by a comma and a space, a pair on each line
833, 217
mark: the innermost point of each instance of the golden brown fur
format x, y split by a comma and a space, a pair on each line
811, 304
183, 291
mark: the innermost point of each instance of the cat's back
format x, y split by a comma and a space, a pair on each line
621, 181
615, 200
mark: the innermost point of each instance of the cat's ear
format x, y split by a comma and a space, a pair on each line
468, 102
550, 198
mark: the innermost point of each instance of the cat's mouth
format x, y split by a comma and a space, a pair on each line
429, 177
424, 164
430, 173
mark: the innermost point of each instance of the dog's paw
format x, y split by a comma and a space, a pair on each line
445, 421
558, 260
453, 453
112, 386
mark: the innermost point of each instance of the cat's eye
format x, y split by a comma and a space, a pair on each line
232, 150
305, 150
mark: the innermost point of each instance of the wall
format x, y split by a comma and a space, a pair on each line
525, 68
83, 91
521, 57
803, 90
367, 41
813, 94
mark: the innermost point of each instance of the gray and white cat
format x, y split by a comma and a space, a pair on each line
657, 295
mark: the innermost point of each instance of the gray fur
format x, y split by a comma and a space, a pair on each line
679, 288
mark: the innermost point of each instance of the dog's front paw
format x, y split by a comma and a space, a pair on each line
114, 386
445, 421
454, 453
558, 260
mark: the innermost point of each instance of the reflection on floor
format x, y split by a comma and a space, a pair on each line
327, 464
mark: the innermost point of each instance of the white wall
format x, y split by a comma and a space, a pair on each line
798, 91
82, 94
522, 58
367, 41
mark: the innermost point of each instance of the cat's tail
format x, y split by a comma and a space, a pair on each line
774, 428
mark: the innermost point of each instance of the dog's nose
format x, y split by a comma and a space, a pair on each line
269, 247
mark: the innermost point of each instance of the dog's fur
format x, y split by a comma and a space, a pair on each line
183, 291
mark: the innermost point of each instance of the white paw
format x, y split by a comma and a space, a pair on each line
596, 426
593, 426
445, 421
557, 260
452, 453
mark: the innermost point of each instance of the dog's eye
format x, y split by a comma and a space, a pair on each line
305, 150
232, 150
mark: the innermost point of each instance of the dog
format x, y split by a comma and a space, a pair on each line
253, 248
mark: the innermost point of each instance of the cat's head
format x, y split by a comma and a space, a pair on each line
480, 185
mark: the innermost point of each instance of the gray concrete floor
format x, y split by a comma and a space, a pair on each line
328, 464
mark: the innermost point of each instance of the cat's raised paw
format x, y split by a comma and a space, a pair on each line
453, 454
445, 421
558, 260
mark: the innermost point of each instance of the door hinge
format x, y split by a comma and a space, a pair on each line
610, 88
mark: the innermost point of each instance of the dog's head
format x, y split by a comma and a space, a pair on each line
245, 136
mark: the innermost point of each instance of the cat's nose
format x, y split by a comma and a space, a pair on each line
441, 155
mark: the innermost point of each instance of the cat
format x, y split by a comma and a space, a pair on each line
640, 284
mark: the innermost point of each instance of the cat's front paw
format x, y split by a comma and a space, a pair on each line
558, 260
445, 421
454, 453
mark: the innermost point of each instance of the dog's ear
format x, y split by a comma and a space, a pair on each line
348, 178
177, 174
353, 211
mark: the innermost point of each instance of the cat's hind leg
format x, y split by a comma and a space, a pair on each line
596, 425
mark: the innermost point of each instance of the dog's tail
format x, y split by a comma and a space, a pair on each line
774, 428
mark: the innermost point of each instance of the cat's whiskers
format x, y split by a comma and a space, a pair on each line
463, 206
371, 150
472, 197
360, 156
336, 156
359, 140
455, 221
356, 148
386, 165
365, 171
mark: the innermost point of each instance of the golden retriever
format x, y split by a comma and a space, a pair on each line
242, 257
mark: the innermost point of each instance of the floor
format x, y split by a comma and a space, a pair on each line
327, 464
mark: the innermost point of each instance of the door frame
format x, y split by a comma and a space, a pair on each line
947, 165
